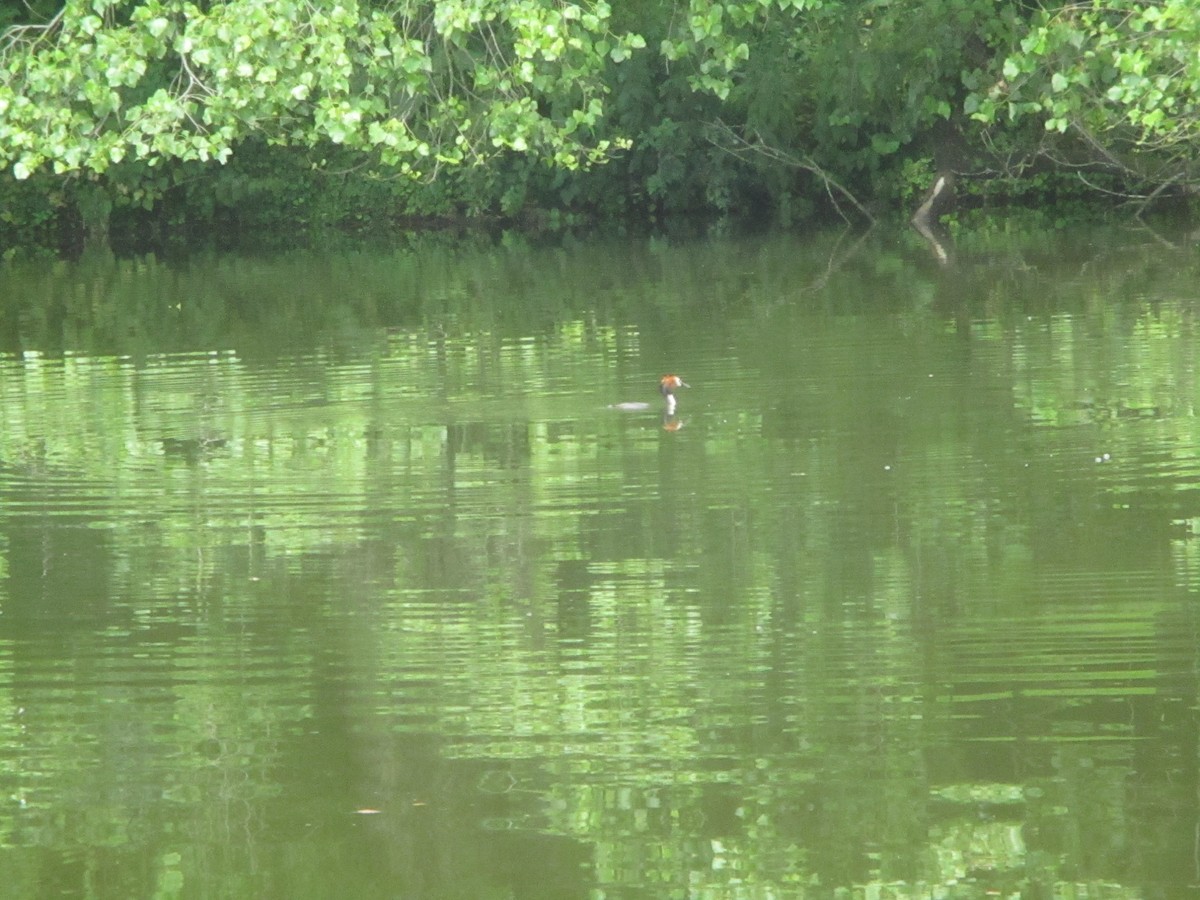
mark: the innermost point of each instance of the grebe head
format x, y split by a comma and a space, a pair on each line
669, 384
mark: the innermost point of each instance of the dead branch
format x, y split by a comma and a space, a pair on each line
725, 138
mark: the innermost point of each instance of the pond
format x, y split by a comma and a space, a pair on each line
337, 574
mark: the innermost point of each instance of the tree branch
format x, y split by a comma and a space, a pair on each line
725, 138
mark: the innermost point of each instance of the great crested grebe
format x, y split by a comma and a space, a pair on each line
667, 386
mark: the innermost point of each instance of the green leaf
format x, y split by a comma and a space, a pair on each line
884, 145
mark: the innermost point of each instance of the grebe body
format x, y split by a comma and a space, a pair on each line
667, 386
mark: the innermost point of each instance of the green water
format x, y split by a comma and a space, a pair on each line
335, 576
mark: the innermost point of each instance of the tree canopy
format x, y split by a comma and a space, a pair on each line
714, 105
1119, 79
420, 83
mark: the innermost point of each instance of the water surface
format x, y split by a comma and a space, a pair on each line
334, 575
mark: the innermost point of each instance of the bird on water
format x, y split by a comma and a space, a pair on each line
667, 386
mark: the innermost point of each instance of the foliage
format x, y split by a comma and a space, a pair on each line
1120, 78
852, 85
108, 83
29, 213
308, 111
757, 109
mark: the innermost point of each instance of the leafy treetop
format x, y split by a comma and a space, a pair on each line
422, 83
